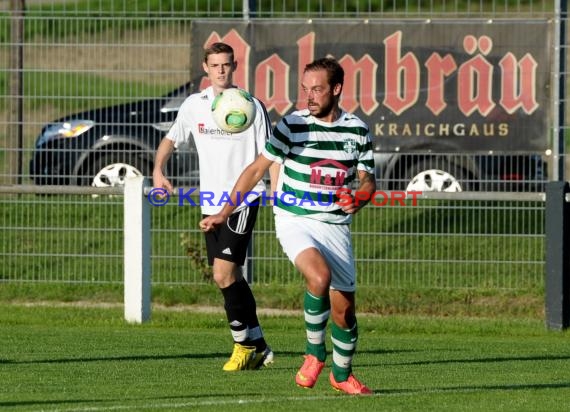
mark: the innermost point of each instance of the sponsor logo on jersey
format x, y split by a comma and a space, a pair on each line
212, 131
327, 174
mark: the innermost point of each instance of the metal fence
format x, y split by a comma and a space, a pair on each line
439, 241
76, 58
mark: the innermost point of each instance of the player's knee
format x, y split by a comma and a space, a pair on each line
223, 280
319, 282
343, 317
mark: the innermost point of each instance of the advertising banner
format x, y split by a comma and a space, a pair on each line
421, 85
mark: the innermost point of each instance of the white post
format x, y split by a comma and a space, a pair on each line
136, 251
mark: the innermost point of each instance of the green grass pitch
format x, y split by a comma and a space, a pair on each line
71, 358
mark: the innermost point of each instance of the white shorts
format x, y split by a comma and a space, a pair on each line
297, 233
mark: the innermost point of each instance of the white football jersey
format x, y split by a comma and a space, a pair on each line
222, 155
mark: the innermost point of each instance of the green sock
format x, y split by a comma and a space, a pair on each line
344, 346
317, 311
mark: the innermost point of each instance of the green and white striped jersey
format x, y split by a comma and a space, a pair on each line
318, 159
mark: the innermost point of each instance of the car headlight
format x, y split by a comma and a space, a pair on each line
64, 130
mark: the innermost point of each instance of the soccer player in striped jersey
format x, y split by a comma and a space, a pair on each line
322, 150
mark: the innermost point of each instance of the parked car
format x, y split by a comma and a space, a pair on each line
407, 168
101, 147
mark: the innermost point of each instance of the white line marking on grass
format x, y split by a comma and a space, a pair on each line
213, 402
221, 402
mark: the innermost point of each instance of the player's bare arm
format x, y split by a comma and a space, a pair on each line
163, 153
247, 180
367, 185
274, 176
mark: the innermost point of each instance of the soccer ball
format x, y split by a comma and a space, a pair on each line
233, 110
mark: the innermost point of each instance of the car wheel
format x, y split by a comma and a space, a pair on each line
431, 176
112, 170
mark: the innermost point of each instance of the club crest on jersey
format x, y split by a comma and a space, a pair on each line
349, 146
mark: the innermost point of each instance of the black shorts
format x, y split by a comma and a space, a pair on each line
230, 240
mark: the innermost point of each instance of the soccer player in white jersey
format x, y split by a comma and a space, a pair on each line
222, 157
322, 149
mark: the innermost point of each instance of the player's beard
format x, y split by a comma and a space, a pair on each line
319, 111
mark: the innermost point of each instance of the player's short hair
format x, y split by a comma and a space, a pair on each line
335, 72
217, 48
